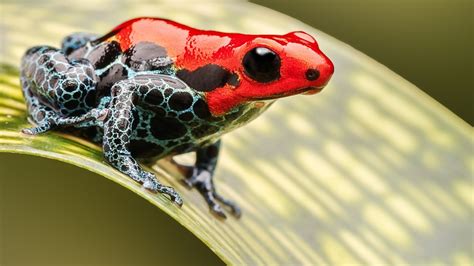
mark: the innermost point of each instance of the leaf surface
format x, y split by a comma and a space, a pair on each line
370, 171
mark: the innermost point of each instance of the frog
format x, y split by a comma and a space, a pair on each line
153, 88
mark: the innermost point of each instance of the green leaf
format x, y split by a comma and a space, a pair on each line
370, 171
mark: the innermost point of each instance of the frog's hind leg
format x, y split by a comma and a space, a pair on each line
200, 176
39, 113
75, 41
57, 91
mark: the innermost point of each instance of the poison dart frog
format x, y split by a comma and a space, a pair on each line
154, 88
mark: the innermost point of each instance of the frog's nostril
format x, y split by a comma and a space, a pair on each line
312, 74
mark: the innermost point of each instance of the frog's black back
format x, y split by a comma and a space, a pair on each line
113, 65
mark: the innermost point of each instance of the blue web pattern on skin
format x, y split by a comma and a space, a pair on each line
47, 75
68, 84
137, 105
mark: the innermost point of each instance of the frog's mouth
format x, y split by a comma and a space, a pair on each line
312, 90
305, 91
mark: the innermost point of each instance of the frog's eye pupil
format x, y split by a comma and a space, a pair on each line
262, 64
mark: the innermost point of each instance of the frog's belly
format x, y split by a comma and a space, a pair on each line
150, 148
158, 132
156, 136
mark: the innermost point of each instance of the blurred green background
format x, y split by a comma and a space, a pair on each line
427, 42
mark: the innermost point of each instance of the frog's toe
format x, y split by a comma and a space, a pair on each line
206, 192
175, 197
201, 179
154, 186
29, 131
187, 183
37, 130
218, 211
234, 208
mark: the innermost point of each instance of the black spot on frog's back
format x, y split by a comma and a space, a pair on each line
146, 56
108, 78
144, 51
201, 109
153, 97
180, 101
208, 77
104, 54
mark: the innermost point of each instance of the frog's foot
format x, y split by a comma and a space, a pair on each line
53, 120
153, 185
42, 127
201, 179
94, 115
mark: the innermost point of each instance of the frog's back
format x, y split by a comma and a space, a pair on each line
158, 45
169, 35
187, 46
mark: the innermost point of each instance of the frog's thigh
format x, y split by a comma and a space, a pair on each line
38, 112
66, 85
55, 87
75, 41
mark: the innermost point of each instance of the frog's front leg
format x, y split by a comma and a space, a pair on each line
201, 177
118, 132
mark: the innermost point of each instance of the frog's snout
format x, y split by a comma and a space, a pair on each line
320, 74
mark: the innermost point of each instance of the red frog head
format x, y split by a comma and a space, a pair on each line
268, 67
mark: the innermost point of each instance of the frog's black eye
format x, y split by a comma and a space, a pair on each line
262, 64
